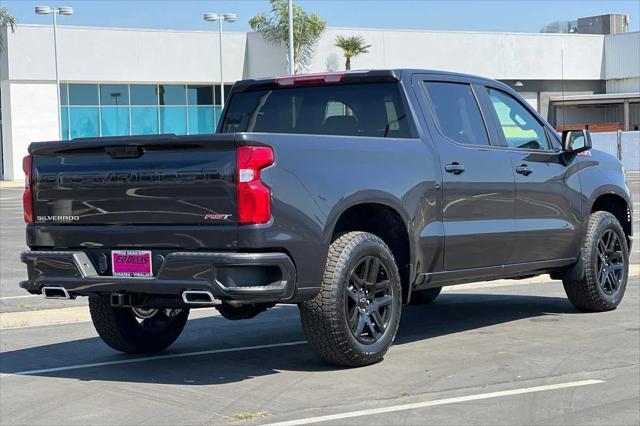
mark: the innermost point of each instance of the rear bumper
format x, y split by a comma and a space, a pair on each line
250, 277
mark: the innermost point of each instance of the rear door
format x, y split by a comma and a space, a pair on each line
477, 180
547, 187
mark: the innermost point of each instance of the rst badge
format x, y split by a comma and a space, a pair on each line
216, 216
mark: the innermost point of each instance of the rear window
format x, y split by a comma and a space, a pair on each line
373, 110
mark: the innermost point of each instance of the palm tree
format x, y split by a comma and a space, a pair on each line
274, 27
6, 18
352, 46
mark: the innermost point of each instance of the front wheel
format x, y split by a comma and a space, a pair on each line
136, 330
354, 319
605, 266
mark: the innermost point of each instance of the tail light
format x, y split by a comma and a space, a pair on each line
27, 196
254, 197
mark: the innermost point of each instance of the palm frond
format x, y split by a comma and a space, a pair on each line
6, 19
352, 45
274, 27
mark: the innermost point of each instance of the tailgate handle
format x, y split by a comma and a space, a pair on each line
124, 151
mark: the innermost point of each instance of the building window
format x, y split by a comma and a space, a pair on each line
91, 110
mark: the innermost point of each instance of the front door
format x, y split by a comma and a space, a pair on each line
477, 180
547, 189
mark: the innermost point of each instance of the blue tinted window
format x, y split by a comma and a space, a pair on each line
173, 120
114, 94
83, 94
84, 122
200, 120
172, 94
144, 120
64, 123
64, 94
200, 95
115, 121
144, 94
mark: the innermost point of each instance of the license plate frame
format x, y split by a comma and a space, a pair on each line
131, 263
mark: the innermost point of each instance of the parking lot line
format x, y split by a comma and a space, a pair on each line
153, 358
436, 402
26, 296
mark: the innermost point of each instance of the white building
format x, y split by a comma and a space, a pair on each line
131, 81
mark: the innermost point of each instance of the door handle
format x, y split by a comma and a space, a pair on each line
524, 170
455, 168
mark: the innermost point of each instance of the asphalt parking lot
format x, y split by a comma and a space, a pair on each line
461, 350
492, 353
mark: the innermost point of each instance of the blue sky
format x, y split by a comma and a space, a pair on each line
515, 15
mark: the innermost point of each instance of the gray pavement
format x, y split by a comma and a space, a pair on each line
459, 351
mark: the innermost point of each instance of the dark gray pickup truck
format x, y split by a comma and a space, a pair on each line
348, 194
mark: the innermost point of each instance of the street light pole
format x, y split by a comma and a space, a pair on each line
221, 77
46, 10
55, 59
292, 69
214, 17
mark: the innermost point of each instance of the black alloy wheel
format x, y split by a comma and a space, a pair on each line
368, 299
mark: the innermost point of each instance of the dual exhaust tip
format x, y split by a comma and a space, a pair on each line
199, 297
55, 292
189, 297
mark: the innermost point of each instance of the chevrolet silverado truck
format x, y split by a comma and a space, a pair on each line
348, 194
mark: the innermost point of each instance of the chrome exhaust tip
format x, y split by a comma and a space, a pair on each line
55, 292
199, 297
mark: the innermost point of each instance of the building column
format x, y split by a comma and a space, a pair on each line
28, 115
626, 115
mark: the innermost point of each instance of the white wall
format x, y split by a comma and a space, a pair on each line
33, 117
114, 55
504, 56
622, 55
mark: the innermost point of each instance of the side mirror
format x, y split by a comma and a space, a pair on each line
576, 141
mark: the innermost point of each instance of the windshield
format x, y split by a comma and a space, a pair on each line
373, 110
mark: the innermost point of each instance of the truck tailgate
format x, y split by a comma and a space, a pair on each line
154, 180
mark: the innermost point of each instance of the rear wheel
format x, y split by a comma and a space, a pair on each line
424, 297
354, 319
136, 330
605, 263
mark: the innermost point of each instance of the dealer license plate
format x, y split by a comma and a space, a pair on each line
131, 263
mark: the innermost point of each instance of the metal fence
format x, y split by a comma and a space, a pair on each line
624, 145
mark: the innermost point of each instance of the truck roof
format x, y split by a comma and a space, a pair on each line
352, 76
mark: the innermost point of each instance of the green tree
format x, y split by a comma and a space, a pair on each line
6, 18
307, 30
351, 46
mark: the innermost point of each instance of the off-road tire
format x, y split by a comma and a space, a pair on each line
586, 294
424, 297
324, 318
119, 328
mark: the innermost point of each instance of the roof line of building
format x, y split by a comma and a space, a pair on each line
330, 28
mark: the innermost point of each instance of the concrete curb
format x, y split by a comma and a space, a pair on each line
11, 184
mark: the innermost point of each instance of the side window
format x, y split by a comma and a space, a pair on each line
456, 113
520, 128
336, 108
